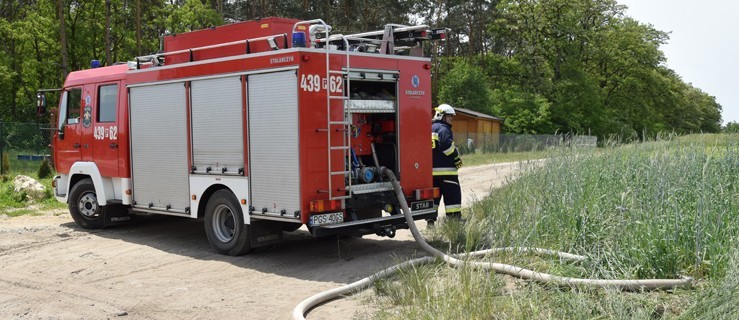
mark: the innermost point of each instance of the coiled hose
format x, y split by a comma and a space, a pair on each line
629, 285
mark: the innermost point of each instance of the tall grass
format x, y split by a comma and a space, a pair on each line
661, 209
721, 301
658, 209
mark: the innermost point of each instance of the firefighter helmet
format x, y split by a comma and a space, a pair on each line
443, 110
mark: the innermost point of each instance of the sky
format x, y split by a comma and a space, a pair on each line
704, 44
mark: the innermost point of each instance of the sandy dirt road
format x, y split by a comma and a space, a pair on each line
163, 267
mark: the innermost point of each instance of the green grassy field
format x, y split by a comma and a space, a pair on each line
15, 204
662, 209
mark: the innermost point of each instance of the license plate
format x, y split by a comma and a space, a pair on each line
422, 205
326, 218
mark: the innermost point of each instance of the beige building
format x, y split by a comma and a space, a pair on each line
481, 128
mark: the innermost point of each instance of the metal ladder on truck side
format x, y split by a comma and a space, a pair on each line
344, 124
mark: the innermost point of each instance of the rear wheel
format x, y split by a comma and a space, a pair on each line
84, 206
224, 224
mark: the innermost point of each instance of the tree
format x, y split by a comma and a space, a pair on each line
464, 86
731, 127
522, 112
543, 65
592, 70
192, 15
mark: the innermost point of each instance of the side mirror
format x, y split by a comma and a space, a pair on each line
40, 104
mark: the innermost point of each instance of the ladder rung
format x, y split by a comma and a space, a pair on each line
340, 148
339, 198
339, 97
338, 72
346, 123
336, 173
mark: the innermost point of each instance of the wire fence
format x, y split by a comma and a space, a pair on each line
504, 143
25, 137
29, 142
24, 142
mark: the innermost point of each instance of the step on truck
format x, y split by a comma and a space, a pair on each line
257, 128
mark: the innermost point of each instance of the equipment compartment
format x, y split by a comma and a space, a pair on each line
373, 130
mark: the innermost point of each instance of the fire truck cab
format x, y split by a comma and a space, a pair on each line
257, 128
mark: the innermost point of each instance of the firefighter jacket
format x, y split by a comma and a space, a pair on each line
445, 152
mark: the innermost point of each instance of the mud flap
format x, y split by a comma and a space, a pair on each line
116, 215
265, 232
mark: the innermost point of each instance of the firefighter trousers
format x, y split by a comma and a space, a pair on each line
452, 194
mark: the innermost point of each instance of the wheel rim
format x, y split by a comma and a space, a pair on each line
88, 205
224, 223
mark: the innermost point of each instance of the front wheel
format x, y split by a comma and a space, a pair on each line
224, 224
84, 206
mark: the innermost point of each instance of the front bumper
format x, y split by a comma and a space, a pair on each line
60, 188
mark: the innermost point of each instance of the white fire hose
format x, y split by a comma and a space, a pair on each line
630, 285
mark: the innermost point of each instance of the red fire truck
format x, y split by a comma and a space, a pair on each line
257, 128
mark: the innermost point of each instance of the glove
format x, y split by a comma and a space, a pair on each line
458, 162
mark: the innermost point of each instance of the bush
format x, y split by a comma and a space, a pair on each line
44, 170
11, 199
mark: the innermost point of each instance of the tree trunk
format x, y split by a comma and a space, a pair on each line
108, 49
63, 38
138, 28
217, 6
15, 66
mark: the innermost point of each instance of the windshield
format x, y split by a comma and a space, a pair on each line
69, 108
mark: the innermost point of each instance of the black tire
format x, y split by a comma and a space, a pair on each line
224, 224
84, 206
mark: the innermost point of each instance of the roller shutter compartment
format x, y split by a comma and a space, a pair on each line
159, 147
273, 142
217, 126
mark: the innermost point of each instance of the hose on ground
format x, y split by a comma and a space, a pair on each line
628, 285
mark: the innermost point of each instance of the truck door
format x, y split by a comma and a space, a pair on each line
104, 141
67, 141
85, 126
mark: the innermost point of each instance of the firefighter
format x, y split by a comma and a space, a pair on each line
446, 162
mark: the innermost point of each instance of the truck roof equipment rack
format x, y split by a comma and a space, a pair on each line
157, 59
392, 35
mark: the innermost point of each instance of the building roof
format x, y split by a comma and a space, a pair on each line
475, 114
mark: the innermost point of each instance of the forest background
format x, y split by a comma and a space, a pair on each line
542, 66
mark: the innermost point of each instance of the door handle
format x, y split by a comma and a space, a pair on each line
113, 145
76, 146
